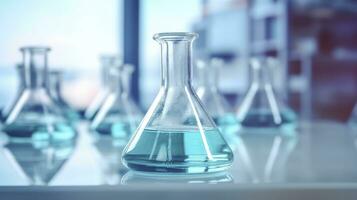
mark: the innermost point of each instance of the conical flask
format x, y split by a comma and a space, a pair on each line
260, 107
118, 116
55, 85
353, 118
177, 135
216, 105
107, 61
35, 115
40, 162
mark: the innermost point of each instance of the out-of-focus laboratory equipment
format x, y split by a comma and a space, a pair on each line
260, 107
118, 116
39, 162
107, 61
353, 118
35, 116
216, 105
177, 135
21, 86
55, 86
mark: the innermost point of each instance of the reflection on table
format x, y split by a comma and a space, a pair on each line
316, 152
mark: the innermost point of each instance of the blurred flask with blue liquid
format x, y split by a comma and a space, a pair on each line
35, 116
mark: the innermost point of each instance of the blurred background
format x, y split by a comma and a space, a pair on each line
315, 42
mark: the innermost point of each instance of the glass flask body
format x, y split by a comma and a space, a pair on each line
19, 93
107, 61
36, 116
55, 88
118, 116
260, 107
215, 104
176, 134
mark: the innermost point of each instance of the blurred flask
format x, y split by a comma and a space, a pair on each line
260, 107
35, 116
353, 118
118, 115
40, 161
107, 61
215, 103
55, 86
19, 92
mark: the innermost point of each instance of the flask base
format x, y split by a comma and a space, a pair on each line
179, 151
23, 132
118, 130
186, 168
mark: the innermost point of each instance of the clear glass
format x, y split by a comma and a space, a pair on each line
19, 93
177, 135
216, 105
35, 116
260, 107
40, 161
353, 118
107, 61
132, 178
118, 116
55, 85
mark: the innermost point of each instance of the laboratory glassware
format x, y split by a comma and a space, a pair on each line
19, 93
216, 105
39, 162
36, 116
107, 61
353, 118
118, 116
132, 178
260, 107
177, 135
55, 85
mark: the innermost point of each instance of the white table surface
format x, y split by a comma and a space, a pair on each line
320, 162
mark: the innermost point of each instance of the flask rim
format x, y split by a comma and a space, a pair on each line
175, 36
35, 48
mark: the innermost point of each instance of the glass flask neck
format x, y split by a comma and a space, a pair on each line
208, 75
115, 81
108, 61
35, 67
126, 75
260, 73
176, 58
55, 83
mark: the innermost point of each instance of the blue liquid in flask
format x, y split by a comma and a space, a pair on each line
265, 119
227, 124
181, 151
23, 131
116, 128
